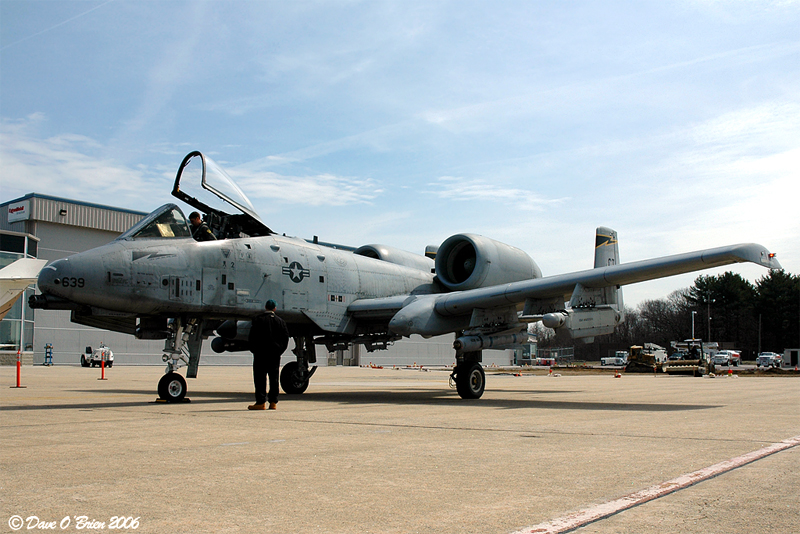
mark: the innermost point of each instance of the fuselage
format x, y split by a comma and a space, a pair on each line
231, 278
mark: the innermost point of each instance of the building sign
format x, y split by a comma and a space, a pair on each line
19, 211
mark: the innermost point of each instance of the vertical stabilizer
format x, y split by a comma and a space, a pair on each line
606, 253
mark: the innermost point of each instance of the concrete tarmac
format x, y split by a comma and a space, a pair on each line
392, 451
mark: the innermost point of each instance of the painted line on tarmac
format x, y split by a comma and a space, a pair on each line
589, 515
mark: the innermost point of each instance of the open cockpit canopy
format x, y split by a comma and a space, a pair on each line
197, 168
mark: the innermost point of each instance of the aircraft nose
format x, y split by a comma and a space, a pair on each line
51, 276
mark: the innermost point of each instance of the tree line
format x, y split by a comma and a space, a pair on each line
752, 318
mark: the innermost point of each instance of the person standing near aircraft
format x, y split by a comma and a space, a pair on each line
268, 339
200, 230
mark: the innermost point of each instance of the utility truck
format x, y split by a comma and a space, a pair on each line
96, 357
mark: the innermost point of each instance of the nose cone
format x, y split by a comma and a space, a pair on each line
50, 277
71, 278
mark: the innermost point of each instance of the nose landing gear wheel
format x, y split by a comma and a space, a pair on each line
470, 380
172, 387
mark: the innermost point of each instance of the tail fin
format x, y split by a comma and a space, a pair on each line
606, 248
606, 252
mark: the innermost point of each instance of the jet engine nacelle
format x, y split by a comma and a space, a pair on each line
396, 256
469, 261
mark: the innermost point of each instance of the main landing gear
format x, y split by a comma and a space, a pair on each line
296, 375
468, 375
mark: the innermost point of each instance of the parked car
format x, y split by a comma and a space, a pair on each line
97, 356
727, 357
677, 356
769, 359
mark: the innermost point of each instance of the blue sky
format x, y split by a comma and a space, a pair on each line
675, 123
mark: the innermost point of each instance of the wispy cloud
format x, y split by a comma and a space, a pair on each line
73, 166
53, 27
547, 99
319, 190
377, 139
727, 179
459, 189
69, 165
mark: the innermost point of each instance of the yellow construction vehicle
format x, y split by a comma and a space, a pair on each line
645, 359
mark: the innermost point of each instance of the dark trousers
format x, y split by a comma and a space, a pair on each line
263, 365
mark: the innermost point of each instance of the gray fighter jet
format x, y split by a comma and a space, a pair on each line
156, 282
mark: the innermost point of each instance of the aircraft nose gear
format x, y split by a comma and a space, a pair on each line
172, 386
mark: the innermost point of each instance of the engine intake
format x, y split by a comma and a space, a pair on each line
469, 261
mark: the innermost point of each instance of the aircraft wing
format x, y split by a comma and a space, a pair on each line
614, 275
438, 314
14, 278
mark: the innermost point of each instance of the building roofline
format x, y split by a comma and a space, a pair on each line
76, 202
20, 234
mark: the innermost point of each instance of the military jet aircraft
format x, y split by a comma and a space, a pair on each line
156, 282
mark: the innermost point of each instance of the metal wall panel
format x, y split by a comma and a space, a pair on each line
83, 215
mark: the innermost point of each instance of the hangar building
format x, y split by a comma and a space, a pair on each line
53, 228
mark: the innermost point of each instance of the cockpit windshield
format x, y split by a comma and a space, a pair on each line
167, 221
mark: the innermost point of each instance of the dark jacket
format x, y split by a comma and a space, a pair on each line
203, 233
268, 335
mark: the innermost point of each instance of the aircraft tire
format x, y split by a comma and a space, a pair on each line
470, 380
290, 381
172, 387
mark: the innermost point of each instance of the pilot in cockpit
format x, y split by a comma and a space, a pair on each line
200, 230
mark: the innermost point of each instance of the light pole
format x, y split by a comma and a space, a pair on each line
693, 314
709, 316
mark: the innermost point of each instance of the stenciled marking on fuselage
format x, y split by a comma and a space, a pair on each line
296, 272
137, 255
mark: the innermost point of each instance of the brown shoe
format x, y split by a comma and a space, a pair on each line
257, 406
273, 405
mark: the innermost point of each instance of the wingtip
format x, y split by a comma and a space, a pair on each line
760, 255
772, 262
